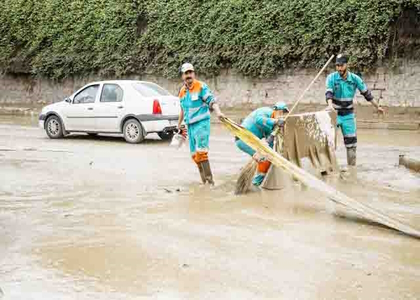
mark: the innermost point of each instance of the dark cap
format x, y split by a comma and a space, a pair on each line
341, 59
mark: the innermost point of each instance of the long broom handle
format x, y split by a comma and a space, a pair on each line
309, 86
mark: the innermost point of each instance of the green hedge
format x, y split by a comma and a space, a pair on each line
59, 39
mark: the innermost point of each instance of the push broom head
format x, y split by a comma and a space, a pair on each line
244, 181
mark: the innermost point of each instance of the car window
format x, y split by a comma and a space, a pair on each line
112, 93
147, 89
88, 95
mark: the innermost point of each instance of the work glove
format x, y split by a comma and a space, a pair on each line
280, 122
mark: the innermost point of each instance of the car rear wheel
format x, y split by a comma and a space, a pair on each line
166, 136
133, 131
54, 128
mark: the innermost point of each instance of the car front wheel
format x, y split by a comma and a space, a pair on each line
54, 128
133, 131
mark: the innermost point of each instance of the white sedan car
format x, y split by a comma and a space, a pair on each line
128, 107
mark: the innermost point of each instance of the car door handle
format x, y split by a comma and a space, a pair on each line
90, 108
120, 106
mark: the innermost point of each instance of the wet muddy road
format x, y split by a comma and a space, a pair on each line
96, 218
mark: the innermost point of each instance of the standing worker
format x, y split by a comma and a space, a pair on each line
341, 88
261, 122
197, 101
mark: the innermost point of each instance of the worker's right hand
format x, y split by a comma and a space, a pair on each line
330, 108
280, 122
258, 157
182, 130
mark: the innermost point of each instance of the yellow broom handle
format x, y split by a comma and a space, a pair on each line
309, 86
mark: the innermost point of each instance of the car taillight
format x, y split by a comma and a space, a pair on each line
157, 110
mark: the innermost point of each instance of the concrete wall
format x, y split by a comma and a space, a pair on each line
398, 87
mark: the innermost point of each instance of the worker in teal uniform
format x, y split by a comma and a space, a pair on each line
261, 122
197, 101
341, 87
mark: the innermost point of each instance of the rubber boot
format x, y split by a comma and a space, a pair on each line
202, 173
207, 172
351, 156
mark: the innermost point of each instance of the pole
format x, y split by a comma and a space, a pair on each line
309, 86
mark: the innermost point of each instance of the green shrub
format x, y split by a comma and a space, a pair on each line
59, 39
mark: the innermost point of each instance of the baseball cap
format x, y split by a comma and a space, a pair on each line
341, 59
187, 67
281, 106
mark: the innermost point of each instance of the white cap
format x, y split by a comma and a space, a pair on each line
187, 67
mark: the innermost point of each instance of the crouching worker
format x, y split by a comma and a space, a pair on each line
197, 101
261, 122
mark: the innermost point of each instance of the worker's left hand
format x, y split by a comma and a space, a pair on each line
270, 139
217, 110
220, 115
381, 111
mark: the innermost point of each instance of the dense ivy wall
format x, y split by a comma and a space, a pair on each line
58, 39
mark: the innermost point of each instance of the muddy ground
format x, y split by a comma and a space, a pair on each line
96, 218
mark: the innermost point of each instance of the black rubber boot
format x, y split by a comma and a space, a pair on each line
207, 172
202, 173
351, 156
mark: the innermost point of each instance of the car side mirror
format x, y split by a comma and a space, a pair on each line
68, 100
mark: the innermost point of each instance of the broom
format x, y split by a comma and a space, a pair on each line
245, 177
244, 181
363, 210
247, 173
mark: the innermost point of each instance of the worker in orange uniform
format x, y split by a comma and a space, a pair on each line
197, 101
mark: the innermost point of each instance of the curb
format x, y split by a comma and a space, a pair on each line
364, 124
361, 123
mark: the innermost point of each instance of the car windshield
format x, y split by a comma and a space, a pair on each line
147, 89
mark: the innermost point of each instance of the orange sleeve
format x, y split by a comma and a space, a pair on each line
181, 93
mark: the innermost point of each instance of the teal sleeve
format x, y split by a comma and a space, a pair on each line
207, 95
271, 122
329, 94
265, 121
330, 83
361, 86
